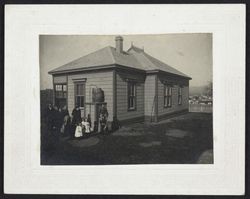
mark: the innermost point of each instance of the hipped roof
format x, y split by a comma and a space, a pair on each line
134, 57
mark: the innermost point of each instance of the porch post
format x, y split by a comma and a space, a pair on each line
156, 98
54, 91
114, 95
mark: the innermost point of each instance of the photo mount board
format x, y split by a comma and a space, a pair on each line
23, 173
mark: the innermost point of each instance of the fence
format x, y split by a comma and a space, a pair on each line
205, 108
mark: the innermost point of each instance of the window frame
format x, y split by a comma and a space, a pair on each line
60, 94
180, 95
76, 95
64, 92
168, 95
133, 97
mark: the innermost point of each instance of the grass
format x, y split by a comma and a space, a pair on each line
186, 139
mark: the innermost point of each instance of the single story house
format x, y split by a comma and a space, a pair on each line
137, 87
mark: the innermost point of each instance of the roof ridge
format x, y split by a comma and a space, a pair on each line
135, 48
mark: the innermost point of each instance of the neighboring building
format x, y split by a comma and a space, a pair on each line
137, 86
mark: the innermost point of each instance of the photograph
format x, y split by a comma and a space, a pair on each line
130, 100
126, 99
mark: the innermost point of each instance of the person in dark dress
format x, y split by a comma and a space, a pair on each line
57, 119
76, 118
61, 116
65, 111
89, 120
49, 117
54, 117
103, 119
95, 128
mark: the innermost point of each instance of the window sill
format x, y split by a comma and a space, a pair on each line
167, 106
131, 109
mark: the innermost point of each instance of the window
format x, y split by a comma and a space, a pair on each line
131, 96
179, 95
167, 96
79, 94
60, 95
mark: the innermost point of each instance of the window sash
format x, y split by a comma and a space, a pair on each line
61, 94
60, 91
79, 100
80, 94
131, 96
65, 88
168, 96
131, 102
80, 89
179, 95
58, 87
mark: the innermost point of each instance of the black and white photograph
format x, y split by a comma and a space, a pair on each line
126, 99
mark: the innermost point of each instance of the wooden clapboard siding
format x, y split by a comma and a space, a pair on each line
102, 79
150, 95
122, 95
175, 106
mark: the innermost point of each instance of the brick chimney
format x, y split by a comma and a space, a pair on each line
119, 44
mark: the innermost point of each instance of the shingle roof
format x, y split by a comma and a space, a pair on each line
134, 58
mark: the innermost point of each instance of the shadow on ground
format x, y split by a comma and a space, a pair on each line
186, 139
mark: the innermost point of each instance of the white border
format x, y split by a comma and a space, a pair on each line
22, 170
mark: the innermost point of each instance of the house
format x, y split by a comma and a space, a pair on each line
137, 86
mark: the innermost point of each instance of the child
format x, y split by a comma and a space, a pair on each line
86, 125
78, 131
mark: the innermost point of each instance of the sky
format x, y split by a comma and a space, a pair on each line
190, 53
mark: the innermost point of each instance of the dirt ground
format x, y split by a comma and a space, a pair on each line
186, 139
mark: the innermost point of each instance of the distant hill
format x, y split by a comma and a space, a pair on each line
196, 90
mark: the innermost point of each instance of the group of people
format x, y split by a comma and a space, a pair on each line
59, 120
55, 117
80, 125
